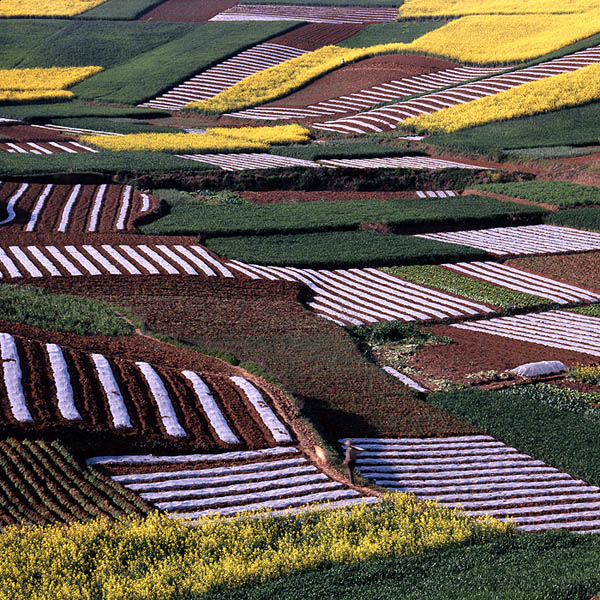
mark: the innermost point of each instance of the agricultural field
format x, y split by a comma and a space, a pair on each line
237, 235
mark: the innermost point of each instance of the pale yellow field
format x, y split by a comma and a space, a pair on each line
45, 8
55, 78
453, 8
216, 139
560, 91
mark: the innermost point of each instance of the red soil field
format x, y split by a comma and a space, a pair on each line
187, 11
362, 74
27, 133
315, 35
473, 352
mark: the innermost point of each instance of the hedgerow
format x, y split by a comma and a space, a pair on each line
343, 150
341, 249
558, 193
400, 215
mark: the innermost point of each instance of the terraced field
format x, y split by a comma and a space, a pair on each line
199, 309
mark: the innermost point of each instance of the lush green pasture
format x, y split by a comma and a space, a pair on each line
581, 218
558, 193
545, 152
117, 125
341, 249
148, 74
34, 306
20, 165
42, 113
467, 287
82, 43
570, 126
389, 33
343, 150
551, 566
559, 437
401, 214
20, 38
117, 9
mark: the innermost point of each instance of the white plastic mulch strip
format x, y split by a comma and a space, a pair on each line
125, 200
96, 207
10, 207
242, 161
116, 404
158, 259
64, 221
274, 425
44, 261
83, 261
405, 162
11, 368
211, 408
523, 281
151, 459
62, 380
205, 268
35, 213
64, 261
436, 194
9, 265
161, 397
25, 261
556, 329
405, 379
145, 203
528, 239
482, 476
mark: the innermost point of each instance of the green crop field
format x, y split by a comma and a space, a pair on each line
558, 193
116, 9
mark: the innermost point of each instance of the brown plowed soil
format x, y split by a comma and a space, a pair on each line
27, 133
292, 196
187, 11
315, 35
473, 352
363, 74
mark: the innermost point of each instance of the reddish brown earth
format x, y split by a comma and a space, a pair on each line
363, 74
293, 196
27, 133
472, 352
315, 35
187, 11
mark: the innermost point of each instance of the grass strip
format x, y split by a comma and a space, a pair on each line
119, 10
35, 306
467, 287
341, 249
123, 125
42, 113
390, 33
401, 215
148, 74
560, 438
580, 218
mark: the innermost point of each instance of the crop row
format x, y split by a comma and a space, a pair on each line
40, 482
557, 193
400, 216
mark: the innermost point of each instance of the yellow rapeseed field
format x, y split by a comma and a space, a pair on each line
559, 91
45, 8
220, 139
495, 39
159, 559
16, 96
54, 78
453, 8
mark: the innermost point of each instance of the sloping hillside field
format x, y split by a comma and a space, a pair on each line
299, 299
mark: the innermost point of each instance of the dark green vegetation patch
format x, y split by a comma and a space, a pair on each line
559, 437
150, 73
343, 150
558, 193
580, 218
401, 215
391, 33
117, 124
42, 113
341, 249
34, 306
118, 9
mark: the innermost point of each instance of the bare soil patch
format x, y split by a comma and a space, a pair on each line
187, 11
315, 35
27, 133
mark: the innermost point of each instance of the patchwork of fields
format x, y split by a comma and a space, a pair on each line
200, 305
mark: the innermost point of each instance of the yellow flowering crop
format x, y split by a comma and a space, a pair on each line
217, 139
54, 78
158, 559
45, 8
454, 8
559, 91
506, 38
16, 96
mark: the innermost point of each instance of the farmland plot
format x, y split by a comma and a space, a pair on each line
46, 386
193, 486
44, 147
33, 207
483, 476
387, 118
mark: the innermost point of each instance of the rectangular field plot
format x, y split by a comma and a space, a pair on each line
516, 241
556, 329
482, 476
280, 479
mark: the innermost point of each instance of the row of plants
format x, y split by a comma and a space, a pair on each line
174, 560
215, 139
586, 374
580, 218
546, 152
467, 287
401, 215
557, 193
341, 249
35, 306
344, 150
551, 93
148, 74
41, 482
561, 438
